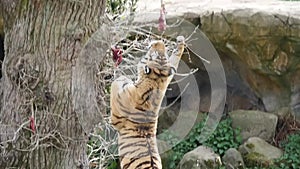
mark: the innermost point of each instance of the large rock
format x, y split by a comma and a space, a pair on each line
269, 65
201, 157
257, 152
254, 123
233, 159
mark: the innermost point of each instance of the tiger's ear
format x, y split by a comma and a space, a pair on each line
147, 70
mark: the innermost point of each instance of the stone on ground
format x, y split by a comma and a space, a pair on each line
257, 152
202, 157
254, 123
233, 159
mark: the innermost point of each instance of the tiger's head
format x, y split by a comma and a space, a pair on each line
155, 64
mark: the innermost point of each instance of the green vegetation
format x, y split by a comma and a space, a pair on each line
291, 156
223, 138
113, 164
256, 159
118, 7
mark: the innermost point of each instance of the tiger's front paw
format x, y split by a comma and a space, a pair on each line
180, 40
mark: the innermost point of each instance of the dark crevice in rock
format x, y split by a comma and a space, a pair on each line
1, 53
226, 20
284, 22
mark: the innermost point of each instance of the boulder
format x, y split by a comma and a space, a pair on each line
257, 152
254, 123
233, 159
202, 157
283, 112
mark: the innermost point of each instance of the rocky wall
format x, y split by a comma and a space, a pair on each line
265, 49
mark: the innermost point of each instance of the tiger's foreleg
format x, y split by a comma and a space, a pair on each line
120, 100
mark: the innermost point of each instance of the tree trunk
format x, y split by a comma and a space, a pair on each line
48, 90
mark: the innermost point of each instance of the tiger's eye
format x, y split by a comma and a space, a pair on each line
147, 70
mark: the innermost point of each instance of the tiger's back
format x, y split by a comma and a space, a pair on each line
135, 107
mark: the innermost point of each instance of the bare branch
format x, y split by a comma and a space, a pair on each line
207, 61
171, 104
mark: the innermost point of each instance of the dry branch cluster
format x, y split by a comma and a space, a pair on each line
33, 98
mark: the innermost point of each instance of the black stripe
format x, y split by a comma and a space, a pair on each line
126, 166
143, 163
154, 158
118, 117
130, 129
132, 136
152, 162
120, 103
120, 143
142, 120
125, 111
130, 152
151, 114
137, 123
142, 154
127, 91
173, 69
147, 92
135, 144
114, 124
134, 122
145, 114
124, 85
144, 101
149, 145
140, 108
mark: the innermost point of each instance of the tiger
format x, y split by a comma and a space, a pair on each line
135, 106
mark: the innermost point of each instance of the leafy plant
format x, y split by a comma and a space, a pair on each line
223, 138
113, 164
291, 156
118, 7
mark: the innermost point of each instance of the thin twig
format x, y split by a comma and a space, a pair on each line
171, 104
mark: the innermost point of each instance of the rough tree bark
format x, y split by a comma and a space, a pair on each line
48, 94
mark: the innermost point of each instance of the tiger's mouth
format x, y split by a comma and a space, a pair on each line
163, 71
